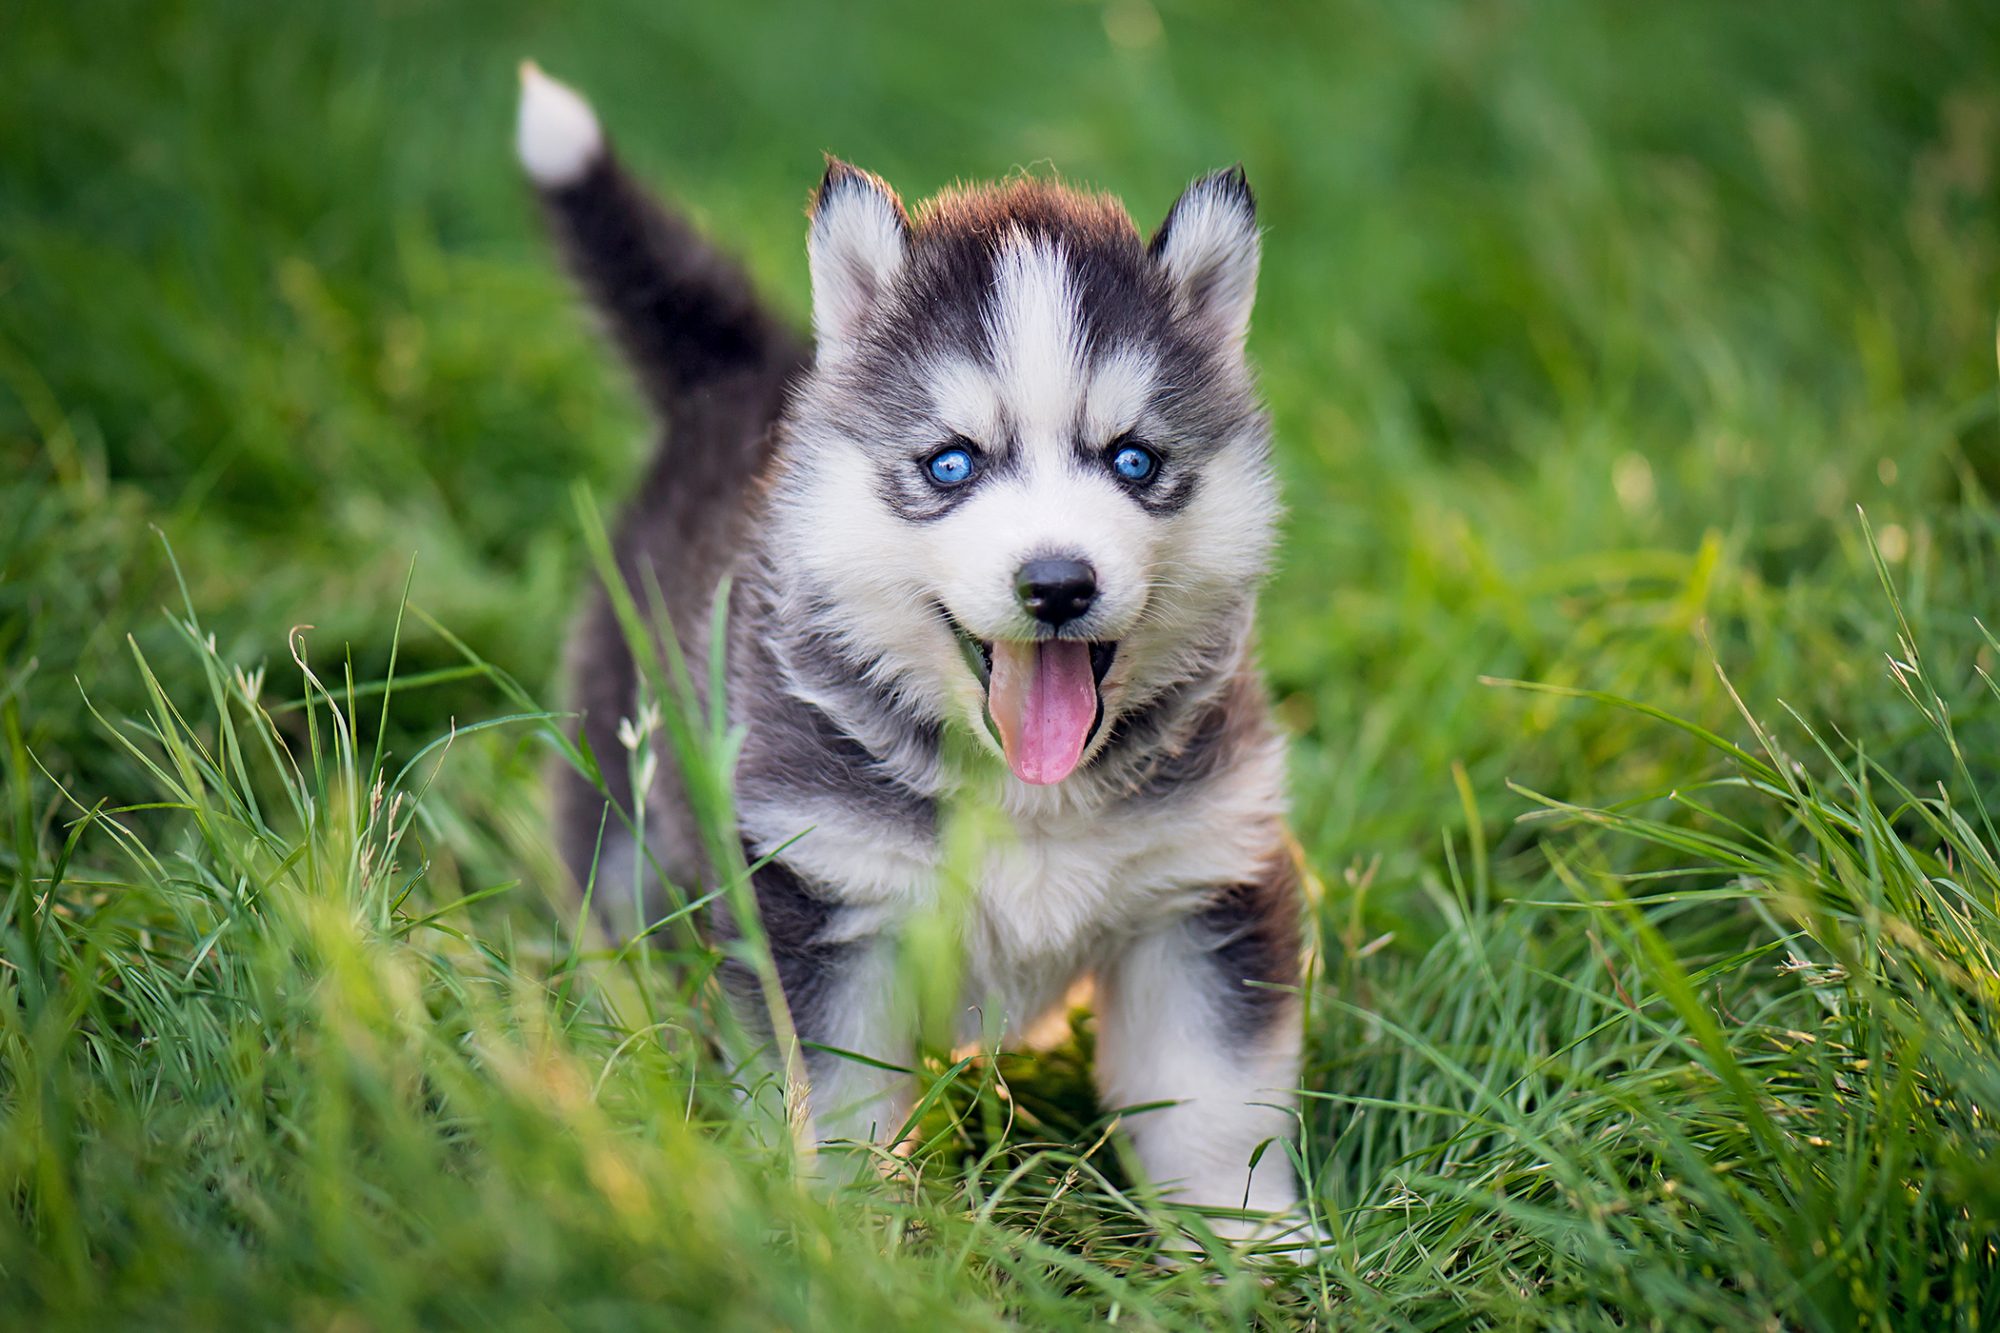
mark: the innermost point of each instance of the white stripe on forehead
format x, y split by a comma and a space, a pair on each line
1037, 339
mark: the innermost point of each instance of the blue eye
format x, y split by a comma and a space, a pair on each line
1135, 462
949, 467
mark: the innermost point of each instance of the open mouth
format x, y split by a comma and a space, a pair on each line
1044, 701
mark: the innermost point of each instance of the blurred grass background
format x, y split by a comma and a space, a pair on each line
1587, 330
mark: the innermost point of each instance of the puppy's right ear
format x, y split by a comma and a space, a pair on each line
860, 235
1208, 249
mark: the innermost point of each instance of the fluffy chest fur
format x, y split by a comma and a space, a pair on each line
1041, 887
1060, 891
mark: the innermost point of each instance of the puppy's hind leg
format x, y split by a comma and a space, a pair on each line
1188, 1014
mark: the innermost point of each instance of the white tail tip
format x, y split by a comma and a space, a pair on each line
557, 136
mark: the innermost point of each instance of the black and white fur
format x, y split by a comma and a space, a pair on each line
1033, 321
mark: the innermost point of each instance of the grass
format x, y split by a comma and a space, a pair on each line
1634, 373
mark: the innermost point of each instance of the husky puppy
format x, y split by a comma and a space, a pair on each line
995, 536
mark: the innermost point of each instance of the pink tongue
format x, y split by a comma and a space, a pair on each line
1043, 699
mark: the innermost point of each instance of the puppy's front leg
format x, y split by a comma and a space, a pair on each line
855, 1007
1186, 1014
840, 983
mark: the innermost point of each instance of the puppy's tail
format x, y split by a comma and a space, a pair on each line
685, 316
717, 366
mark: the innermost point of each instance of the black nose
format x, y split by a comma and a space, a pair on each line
1055, 592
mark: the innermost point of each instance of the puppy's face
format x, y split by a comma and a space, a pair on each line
1028, 475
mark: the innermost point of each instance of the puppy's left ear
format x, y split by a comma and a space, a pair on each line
1208, 248
859, 236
